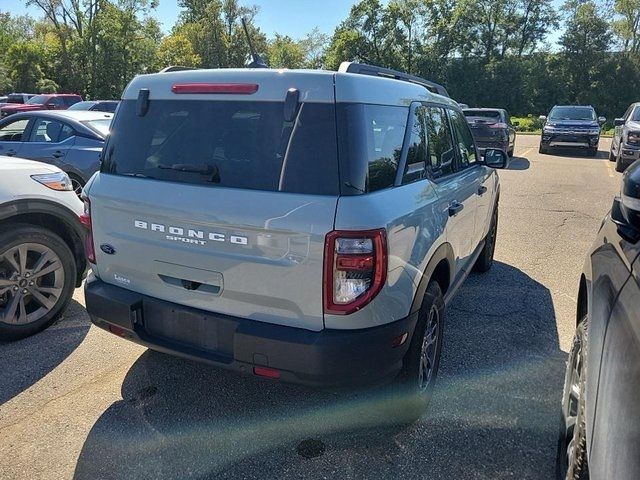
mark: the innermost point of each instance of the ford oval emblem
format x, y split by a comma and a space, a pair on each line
108, 249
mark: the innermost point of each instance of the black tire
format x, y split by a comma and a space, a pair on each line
510, 153
42, 289
572, 461
593, 152
620, 166
485, 260
424, 353
612, 157
543, 150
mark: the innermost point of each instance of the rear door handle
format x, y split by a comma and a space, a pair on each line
482, 190
455, 208
58, 154
10, 153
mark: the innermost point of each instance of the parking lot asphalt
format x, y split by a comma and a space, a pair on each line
79, 403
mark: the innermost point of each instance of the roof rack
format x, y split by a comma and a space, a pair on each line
176, 68
375, 71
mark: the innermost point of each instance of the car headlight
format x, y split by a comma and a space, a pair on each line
55, 181
549, 128
633, 138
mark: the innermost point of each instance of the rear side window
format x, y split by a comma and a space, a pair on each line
439, 144
49, 131
371, 139
416, 165
228, 144
70, 100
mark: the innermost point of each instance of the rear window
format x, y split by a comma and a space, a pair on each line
228, 144
38, 100
15, 99
493, 114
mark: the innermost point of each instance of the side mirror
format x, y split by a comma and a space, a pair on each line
618, 122
626, 208
515, 124
543, 118
51, 106
601, 120
495, 158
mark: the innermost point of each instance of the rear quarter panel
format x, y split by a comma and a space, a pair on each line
83, 158
415, 226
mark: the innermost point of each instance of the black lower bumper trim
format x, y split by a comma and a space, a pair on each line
327, 357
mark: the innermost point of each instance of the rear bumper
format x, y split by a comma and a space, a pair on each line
324, 358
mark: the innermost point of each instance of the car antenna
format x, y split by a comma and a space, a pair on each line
256, 60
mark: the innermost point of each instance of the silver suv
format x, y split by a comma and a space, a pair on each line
308, 226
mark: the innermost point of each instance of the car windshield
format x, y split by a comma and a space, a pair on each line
101, 126
38, 100
492, 114
572, 113
636, 115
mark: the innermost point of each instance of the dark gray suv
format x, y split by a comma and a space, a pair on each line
625, 145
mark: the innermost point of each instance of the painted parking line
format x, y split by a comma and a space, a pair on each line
526, 152
611, 169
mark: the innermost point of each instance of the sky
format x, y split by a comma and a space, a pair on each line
295, 18
289, 17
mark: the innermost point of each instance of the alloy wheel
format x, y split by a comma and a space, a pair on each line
571, 404
77, 186
32, 279
429, 350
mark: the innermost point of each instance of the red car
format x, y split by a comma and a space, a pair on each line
54, 101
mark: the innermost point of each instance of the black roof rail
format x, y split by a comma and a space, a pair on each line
176, 68
375, 71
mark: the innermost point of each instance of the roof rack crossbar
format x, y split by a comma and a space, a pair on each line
375, 71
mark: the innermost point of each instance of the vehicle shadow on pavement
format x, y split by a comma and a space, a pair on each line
26, 361
494, 414
575, 153
518, 163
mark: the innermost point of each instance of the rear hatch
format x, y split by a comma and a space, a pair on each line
221, 201
486, 125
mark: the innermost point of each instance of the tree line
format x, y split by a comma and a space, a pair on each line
504, 53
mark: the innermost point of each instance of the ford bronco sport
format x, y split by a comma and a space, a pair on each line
308, 226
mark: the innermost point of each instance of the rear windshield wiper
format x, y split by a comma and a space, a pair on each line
208, 170
137, 175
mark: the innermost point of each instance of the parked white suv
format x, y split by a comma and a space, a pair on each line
42, 255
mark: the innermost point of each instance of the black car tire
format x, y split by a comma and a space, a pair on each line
572, 461
542, 149
35, 238
612, 157
592, 152
620, 166
424, 352
485, 260
510, 152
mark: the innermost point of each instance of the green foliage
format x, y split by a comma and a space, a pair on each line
24, 60
176, 49
284, 52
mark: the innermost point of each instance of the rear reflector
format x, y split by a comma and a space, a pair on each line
223, 88
266, 372
85, 219
121, 332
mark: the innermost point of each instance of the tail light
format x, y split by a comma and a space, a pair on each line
85, 219
355, 269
